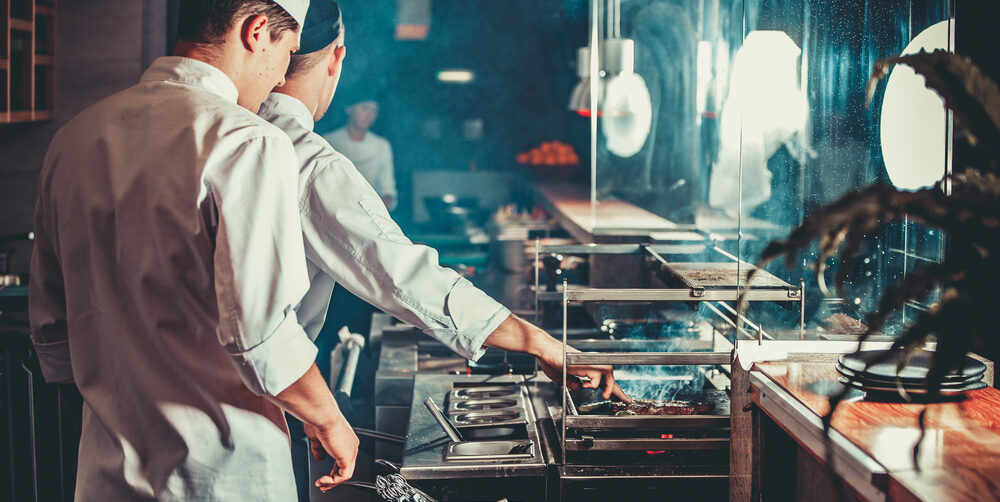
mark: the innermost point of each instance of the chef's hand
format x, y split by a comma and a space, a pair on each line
521, 336
341, 443
551, 364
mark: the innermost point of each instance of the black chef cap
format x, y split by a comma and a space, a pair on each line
322, 26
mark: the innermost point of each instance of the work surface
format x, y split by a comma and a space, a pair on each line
960, 451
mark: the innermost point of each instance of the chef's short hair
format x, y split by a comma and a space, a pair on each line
207, 21
302, 63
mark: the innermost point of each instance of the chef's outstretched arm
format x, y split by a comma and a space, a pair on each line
309, 399
518, 335
351, 237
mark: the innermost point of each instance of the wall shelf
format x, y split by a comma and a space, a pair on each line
27, 60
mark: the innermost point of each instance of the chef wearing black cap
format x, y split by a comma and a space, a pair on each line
351, 239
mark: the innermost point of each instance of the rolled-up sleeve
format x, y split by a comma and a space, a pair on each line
47, 305
260, 270
350, 236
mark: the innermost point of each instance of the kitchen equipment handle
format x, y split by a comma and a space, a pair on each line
9, 238
361, 485
380, 436
449, 428
392, 467
354, 344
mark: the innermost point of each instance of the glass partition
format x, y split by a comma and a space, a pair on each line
734, 120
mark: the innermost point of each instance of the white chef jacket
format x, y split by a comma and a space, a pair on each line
351, 239
168, 259
372, 156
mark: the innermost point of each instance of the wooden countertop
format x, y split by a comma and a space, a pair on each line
960, 452
571, 206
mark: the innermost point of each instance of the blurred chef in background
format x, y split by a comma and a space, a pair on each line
350, 238
370, 153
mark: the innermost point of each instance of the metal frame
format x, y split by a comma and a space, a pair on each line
589, 443
692, 293
631, 358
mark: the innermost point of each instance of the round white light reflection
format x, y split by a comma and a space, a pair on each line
914, 120
628, 114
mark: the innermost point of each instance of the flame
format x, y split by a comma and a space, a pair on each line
657, 452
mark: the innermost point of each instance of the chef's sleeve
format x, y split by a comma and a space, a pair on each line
260, 270
387, 176
350, 235
47, 304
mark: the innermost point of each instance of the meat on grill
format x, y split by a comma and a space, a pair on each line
646, 407
655, 407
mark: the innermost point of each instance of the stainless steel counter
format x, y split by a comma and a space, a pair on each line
423, 455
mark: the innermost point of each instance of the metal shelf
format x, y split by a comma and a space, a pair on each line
672, 295
631, 444
648, 422
648, 358
620, 249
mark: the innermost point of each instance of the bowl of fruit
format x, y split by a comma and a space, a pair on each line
550, 160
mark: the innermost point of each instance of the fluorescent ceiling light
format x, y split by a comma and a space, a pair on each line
456, 76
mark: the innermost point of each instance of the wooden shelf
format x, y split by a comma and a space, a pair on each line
21, 24
27, 79
20, 116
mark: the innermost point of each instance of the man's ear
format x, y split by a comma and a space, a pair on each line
337, 59
252, 32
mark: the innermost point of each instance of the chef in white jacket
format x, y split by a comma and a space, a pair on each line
351, 239
168, 260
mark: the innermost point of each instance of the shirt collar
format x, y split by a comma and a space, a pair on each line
282, 105
192, 72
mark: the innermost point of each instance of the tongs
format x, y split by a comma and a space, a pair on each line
392, 488
449, 428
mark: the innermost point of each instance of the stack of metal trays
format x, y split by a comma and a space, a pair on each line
489, 412
883, 374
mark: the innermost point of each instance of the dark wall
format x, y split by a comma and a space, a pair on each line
522, 53
102, 47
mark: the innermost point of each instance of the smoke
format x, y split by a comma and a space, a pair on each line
658, 329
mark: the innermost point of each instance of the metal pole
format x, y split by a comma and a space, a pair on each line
31, 430
565, 388
802, 309
595, 75
538, 313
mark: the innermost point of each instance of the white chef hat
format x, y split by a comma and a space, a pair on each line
296, 8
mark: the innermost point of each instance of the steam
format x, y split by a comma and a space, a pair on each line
666, 330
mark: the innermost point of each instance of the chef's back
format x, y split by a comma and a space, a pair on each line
167, 262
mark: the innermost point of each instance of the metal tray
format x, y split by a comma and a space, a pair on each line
721, 275
485, 392
491, 417
469, 405
489, 450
